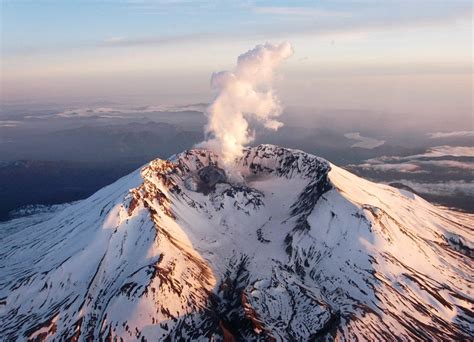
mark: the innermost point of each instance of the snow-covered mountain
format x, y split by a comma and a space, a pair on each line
298, 249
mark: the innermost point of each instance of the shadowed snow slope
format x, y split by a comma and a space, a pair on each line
299, 250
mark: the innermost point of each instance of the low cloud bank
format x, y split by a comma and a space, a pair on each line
364, 142
439, 157
456, 134
449, 188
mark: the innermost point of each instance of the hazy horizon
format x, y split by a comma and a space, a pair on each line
122, 82
399, 57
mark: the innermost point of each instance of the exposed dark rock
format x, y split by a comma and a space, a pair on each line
211, 175
205, 179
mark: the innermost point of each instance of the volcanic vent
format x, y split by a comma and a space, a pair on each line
205, 179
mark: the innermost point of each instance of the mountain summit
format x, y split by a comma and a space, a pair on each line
296, 249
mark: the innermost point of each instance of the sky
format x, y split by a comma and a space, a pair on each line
412, 57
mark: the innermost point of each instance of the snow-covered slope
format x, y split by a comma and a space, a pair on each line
298, 250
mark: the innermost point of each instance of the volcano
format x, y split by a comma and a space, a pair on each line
297, 249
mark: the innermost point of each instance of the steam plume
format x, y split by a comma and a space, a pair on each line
244, 93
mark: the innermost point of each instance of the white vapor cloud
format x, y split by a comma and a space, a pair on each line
9, 123
244, 93
442, 151
439, 156
433, 152
447, 188
364, 142
398, 167
456, 134
450, 164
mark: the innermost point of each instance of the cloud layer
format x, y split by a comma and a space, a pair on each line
446, 188
441, 157
364, 142
456, 134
